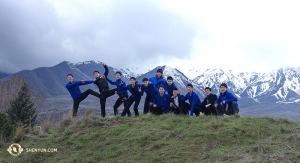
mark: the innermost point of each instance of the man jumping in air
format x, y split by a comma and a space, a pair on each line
102, 84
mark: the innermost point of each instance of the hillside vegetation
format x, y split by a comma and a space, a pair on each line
167, 138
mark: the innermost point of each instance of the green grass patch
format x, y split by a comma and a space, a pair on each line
167, 138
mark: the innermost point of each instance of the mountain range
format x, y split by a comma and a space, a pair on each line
275, 93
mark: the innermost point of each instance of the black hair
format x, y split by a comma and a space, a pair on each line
70, 75
207, 88
189, 85
133, 78
96, 71
159, 70
145, 79
161, 86
175, 89
118, 72
169, 78
224, 85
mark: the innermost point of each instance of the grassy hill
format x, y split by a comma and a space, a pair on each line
166, 138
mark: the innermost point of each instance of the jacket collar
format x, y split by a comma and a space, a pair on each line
224, 93
207, 96
158, 78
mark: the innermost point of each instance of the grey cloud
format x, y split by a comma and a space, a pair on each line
131, 32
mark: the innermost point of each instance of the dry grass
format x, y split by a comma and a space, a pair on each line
46, 125
19, 133
66, 120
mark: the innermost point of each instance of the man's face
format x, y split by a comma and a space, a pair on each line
175, 93
145, 83
70, 78
223, 89
118, 76
158, 74
132, 81
169, 82
207, 92
161, 90
189, 89
96, 74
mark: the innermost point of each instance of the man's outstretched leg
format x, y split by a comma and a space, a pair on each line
81, 98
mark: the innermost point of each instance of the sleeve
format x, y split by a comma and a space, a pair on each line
203, 103
182, 99
230, 98
142, 92
169, 99
213, 99
88, 82
151, 80
125, 87
111, 82
106, 71
159, 83
174, 86
154, 101
194, 101
70, 86
218, 100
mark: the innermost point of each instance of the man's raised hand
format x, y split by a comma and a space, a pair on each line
140, 89
103, 63
121, 83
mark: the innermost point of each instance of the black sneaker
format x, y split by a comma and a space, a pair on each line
125, 99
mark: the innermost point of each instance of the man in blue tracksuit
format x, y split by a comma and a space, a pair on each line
150, 92
136, 94
154, 79
194, 100
73, 88
161, 103
226, 102
117, 83
168, 85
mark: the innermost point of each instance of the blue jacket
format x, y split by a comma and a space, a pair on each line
162, 101
74, 89
135, 94
227, 97
168, 89
194, 100
154, 80
120, 87
150, 91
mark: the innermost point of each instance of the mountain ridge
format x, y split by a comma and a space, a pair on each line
279, 87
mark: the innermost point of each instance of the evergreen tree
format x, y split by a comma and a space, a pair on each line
22, 109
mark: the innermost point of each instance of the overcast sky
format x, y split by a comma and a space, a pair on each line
253, 35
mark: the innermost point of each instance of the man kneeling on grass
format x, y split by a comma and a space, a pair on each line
194, 100
226, 103
161, 103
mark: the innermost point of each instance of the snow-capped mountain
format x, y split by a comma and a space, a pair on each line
279, 89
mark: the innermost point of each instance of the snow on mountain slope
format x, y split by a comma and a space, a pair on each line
191, 73
127, 73
282, 85
214, 77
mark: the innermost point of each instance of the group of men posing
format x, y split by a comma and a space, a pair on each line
162, 96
